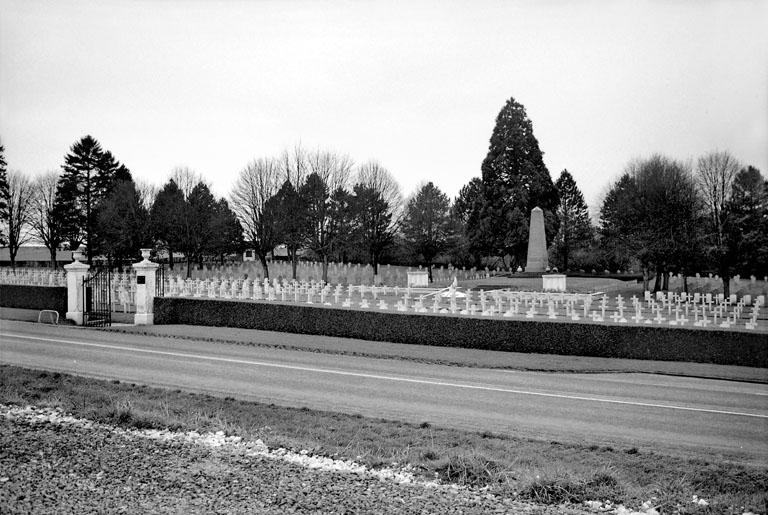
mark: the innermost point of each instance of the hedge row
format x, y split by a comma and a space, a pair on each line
34, 297
634, 342
613, 341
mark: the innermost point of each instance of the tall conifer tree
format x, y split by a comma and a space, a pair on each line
167, 218
88, 175
427, 226
575, 229
515, 180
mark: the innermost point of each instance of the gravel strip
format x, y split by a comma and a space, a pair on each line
79, 467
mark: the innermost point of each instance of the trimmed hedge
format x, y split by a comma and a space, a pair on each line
611, 341
34, 297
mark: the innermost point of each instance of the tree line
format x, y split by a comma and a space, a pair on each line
661, 215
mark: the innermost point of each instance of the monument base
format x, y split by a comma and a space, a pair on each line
144, 319
553, 282
418, 279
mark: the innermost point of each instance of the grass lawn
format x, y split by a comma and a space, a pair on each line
545, 471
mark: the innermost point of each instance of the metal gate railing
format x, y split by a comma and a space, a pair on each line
160, 281
97, 296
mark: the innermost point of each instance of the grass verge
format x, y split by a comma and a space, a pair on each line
547, 472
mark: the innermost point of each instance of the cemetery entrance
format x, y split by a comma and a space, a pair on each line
97, 296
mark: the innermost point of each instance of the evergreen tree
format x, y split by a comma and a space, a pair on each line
122, 223
290, 213
466, 214
575, 229
375, 184
748, 207
427, 226
618, 224
341, 224
167, 218
374, 230
89, 174
515, 180
320, 229
227, 231
197, 226
4, 193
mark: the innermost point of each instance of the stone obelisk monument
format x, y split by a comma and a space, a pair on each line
537, 243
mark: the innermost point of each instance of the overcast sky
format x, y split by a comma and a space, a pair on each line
416, 85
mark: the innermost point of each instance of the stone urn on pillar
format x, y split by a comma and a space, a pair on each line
76, 274
145, 289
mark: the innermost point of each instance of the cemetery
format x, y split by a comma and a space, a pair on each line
473, 293
504, 300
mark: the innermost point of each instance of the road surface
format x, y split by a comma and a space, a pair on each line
701, 416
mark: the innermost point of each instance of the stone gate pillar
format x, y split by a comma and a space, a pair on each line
145, 289
76, 273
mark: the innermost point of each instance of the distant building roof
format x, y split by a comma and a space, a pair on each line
34, 254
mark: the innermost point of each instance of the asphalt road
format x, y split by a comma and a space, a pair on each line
700, 416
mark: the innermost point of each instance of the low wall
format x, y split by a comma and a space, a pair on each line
566, 338
34, 297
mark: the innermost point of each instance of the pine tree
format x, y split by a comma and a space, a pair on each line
227, 231
320, 230
749, 227
515, 180
89, 175
471, 244
575, 229
341, 224
373, 231
427, 227
166, 218
122, 223
197, 231
290, 213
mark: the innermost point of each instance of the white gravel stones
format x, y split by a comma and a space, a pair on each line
235, 444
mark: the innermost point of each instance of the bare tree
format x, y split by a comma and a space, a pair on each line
147, 192
16, 214
717, 171
334, 169
186, 179
378, 209
258, 182
43, 221
374, 176
716, 174
294, 166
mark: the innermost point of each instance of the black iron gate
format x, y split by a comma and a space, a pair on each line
160, 281
97, 295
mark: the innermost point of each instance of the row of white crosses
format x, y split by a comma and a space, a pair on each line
123, 291
33, 277
338, 272
673, 309
700, 310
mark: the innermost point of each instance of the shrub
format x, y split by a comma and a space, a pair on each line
34, 297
